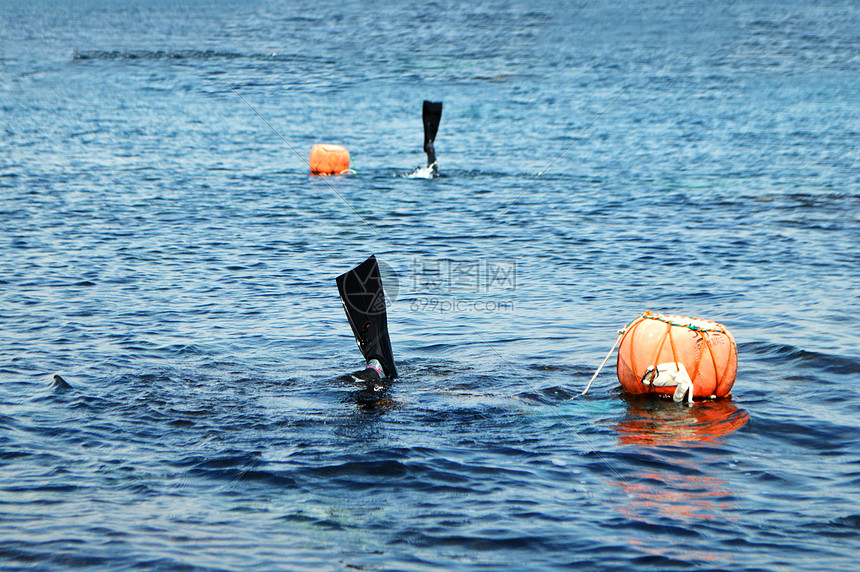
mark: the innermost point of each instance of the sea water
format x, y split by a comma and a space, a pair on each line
165, 250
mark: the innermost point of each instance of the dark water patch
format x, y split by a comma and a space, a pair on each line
266, 478
320, 523
841, 527
637, 527
170, 252
6, 455
236, 470
478, 542
549, 395
238, 460
43, 489
819, 437
364, 469
193, 55
20, 554
8, 422
792, 357
466, 415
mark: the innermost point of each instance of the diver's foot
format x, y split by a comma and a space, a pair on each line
368, 375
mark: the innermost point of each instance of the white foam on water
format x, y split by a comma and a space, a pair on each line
422, 173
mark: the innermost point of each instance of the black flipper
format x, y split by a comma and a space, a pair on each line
432, 115
364, 303
59, 383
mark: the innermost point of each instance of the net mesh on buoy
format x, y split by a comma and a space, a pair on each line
658, 353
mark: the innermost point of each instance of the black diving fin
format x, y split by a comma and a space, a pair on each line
364, 303
432, 115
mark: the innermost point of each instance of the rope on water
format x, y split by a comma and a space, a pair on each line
606, 359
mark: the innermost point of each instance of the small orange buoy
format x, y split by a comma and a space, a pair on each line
677, 356
329, 159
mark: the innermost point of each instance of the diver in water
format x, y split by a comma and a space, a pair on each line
364, 303
432, 115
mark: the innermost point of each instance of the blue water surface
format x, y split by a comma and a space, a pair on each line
164, 249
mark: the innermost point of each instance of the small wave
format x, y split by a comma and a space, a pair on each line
190, 55
236, 466
799, 358
153, 55
841, 527
549, 395
814, 435
364, 468
851, 522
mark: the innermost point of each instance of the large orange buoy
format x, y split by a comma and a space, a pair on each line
329, 159
677, 356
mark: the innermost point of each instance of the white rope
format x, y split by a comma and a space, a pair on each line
606, 359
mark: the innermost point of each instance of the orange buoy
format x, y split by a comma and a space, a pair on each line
329, 159
677, 356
